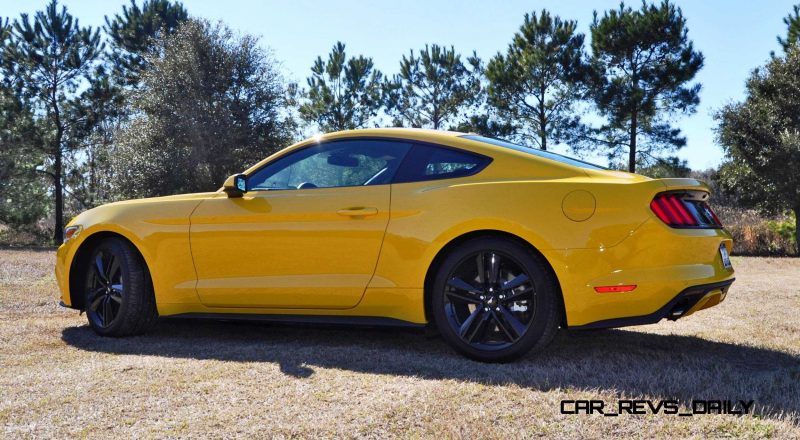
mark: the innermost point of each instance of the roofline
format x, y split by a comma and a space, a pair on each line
420, 134
386, 131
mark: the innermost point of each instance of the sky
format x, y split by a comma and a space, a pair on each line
735, 36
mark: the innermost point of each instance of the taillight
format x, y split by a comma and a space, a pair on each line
677, 211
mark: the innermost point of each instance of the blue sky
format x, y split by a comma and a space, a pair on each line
735, 36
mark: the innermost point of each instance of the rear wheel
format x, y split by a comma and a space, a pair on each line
118, 297
494, 300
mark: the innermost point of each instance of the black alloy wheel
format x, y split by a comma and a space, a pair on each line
118, 295
106, 288
495, 300
490, 300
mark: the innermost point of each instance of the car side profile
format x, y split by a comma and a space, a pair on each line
494, 245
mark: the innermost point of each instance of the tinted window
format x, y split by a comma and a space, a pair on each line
342, 163
536, 152
427, 162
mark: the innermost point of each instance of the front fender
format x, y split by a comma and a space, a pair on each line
157, 228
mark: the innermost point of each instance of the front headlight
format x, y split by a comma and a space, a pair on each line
71, 232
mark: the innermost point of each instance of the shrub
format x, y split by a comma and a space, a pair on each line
754, 234
36, 234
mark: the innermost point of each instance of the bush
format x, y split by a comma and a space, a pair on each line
23, 212
37, 234
754, 234
785, 228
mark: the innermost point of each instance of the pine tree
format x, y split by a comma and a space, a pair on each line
645, 62
434, 88
488, 123
539, 80
22, 190
136, 31
792, 22
97, 114
55, 54
343, 93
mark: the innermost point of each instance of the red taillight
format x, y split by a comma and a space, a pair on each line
679, 212
671, 210
682, 210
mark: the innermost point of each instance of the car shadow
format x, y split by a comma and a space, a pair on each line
629, 363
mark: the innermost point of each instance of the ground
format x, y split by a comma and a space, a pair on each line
198, 378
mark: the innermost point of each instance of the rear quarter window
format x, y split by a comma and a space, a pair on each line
430, 162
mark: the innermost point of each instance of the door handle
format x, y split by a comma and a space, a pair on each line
357, 212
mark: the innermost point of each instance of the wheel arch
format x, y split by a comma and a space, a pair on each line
80, 260
456, 241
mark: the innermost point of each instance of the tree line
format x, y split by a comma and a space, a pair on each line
157, 101
636, 74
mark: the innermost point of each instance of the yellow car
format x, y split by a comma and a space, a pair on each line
494, 245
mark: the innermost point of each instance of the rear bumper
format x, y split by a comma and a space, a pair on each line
685, 303
661, 261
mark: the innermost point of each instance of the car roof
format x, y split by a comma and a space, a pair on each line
418, 134
399, 132
449, 138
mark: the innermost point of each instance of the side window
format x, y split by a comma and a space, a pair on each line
332, 164
427, 162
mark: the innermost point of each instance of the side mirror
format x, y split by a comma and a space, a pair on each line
235, 185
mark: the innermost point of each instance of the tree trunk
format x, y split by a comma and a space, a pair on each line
632, 151
58, 233
542, 119
544, 141
92, 179
542, 133
58, 236
797, 229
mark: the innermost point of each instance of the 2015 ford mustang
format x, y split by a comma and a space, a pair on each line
494, 245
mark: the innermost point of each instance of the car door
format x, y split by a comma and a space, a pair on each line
307, 232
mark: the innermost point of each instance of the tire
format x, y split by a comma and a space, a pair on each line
501, 310
118, 296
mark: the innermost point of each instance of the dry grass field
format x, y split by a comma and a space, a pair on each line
214, 379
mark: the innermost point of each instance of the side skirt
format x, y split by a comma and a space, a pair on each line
357, 321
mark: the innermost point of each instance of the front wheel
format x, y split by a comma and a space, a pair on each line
118, 298
494, 300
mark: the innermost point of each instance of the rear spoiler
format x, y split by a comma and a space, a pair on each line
676, 184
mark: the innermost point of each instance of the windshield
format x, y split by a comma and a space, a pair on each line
536, 152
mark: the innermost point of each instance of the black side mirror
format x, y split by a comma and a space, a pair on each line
235, 185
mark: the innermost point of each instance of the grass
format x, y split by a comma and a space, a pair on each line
204, 378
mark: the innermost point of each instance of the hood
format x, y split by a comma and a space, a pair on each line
174, 209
